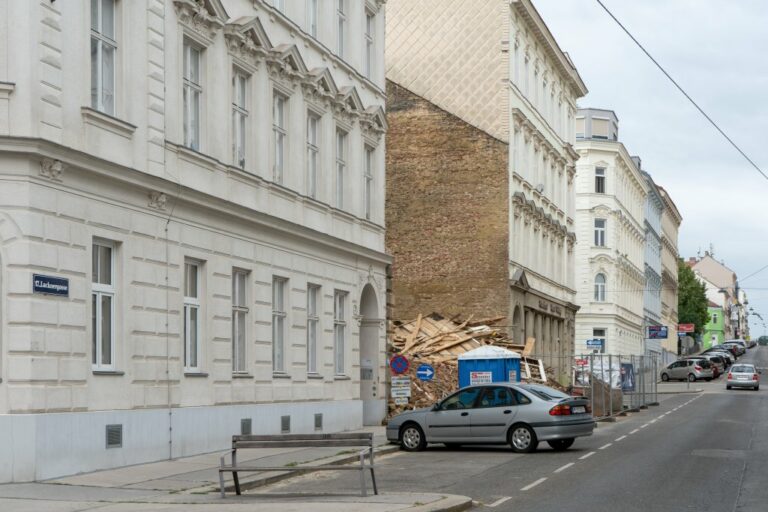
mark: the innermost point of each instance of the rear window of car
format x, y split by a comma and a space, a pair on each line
742, 368
546, 393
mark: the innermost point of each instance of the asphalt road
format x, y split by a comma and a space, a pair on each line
703, 452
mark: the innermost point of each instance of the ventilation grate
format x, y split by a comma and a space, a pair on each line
318, 421
114, 436
245, 426
285, 424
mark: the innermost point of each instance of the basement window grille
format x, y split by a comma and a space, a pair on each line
285, 424
318, 421
245, 426
114, 436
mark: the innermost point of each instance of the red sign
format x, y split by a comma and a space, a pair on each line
399, 364
685, 327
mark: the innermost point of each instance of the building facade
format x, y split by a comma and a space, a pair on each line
670, 226
714, 331
722, 288
654, 206
191, 226
611, 195
507, 77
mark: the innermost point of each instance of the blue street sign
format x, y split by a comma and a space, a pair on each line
50, 285
425, 372
595, 343
399, 364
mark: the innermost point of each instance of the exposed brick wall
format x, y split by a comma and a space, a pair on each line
446, 212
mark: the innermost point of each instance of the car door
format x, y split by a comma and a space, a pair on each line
493, 414
674, 370
450, 421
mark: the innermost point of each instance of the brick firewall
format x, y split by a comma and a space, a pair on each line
446, 212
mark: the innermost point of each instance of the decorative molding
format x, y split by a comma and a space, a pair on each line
52, 169
247, 42
374, 122
204, 17
285, 65
157, 200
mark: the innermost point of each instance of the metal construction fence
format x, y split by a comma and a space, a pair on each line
614, 383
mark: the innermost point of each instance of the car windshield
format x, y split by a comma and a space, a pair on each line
743, 368
546, 393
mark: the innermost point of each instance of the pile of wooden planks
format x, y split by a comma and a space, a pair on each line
439, 341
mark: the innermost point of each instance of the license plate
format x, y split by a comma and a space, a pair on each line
579, 409
741, 378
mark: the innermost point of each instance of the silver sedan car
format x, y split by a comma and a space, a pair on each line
499, 413
743, 376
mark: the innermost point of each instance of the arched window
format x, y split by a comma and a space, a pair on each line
600, 288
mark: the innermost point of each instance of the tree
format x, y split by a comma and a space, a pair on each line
691, 299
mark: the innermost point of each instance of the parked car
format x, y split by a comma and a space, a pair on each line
743, 376
717, 362
687, 369
705, 362
744, 344
724, 353
500, 413
737, 348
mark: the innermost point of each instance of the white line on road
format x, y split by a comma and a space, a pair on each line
634, 431
563, 468
534, 484
653, 421
586, 455
499, 501
620, 438
643, 426
605, 446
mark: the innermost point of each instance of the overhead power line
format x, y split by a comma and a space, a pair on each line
701, 110
752, 274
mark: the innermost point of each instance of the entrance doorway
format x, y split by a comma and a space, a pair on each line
374, 405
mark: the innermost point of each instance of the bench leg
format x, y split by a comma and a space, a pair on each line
363, 490
373, 479
221, 483
237, 482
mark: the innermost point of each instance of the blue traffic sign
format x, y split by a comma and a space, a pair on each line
399, 364
425, 372
595, 343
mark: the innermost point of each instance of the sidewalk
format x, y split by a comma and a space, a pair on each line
191, 483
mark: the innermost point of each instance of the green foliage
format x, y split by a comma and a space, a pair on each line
692, 298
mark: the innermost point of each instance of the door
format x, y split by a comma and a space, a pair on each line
451, 421
495, 411
677, 370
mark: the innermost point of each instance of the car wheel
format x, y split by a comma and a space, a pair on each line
757, 387
727, 387
560, 445
709, 379
412, 438
522, 439
691, 377
665, 377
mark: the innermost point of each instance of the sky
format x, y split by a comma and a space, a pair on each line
718, 52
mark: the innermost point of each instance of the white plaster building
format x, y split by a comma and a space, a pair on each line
670, 226
495, 65
207, 178
610, 200
654, 206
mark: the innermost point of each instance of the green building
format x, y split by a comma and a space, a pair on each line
714, 331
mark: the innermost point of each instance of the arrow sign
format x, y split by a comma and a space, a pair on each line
425, 372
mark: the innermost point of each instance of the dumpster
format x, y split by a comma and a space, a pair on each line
488, 364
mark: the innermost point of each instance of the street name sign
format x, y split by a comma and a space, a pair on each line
50, 285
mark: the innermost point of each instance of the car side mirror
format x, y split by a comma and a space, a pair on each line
436, 407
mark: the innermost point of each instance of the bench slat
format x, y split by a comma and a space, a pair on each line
299, 444
357, 467
360, 436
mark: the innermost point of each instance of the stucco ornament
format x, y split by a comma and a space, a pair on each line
52, 169
195, 15
157, 200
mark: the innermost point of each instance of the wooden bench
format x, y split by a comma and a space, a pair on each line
345, 439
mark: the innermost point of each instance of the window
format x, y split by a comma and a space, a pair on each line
600, 232
600, 180
279, 5
341, 21
341, 165
280, 134
192, 316
312, 17
239, 323
579, 127
103, 49
193, 90
714, 318
339, 330
600, 288
599, 128
103, 306
313, 292
313, 151
369, 35
239, 116
497, 397
278, 324
462, 400
368, 176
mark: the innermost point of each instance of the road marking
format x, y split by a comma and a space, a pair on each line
605, 446
653, 421
620, 438
563, 468
643, 426
634, 431
586, 455
534, 484
499, 501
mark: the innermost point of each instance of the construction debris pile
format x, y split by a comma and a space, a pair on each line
439, 341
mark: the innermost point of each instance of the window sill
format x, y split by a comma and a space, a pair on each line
107, 122
315, 376
342, 377
195, 374
196, 157
276, 375
242, 376
116, 373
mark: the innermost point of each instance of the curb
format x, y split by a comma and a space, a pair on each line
682, 392
449, 503
339, 460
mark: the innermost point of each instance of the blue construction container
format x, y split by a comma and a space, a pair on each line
488, 364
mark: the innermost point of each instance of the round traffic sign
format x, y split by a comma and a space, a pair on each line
399, 364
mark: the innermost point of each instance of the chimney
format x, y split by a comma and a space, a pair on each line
638, 162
